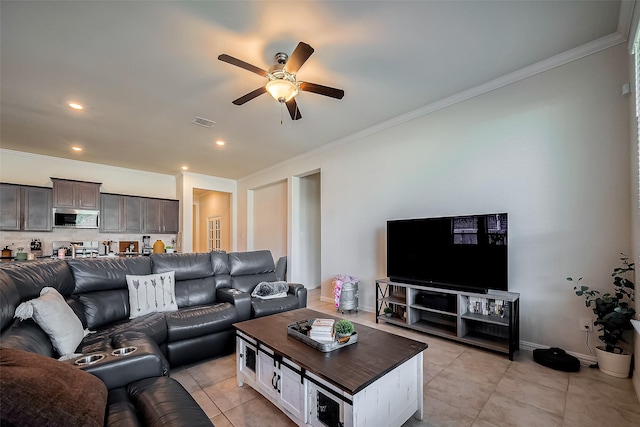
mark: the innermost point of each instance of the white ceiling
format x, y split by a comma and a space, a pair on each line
145, 70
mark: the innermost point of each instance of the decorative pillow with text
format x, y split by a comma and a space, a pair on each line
151, 294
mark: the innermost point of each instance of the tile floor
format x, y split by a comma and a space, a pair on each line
463, 386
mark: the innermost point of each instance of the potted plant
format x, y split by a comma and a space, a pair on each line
388, 311
344, 329
168, 249
613, 317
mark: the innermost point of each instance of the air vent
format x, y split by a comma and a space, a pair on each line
204, 122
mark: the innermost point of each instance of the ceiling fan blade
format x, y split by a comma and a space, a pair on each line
239, 63
300, 54
294, 111
322, 90
248, 97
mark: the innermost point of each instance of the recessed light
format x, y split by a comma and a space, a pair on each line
76, 148
185, 168
221, 143
75, 105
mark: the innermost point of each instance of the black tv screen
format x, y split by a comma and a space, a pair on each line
462, 252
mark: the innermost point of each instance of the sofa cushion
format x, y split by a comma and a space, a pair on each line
153, 325
104, 307
55, 317
163, 401
265, 307
26, 335
40, 391
120, 411
254, 262
9, 299
186, 266
198, 321
101, 274
152, 293
247, 282
31, 277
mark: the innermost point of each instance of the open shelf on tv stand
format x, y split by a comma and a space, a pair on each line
489, 320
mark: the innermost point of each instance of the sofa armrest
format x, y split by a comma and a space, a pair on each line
300, 291
146, 361
241, 301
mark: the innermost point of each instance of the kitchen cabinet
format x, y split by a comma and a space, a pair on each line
10, 207
120, 213
37, 208
110, 213
132, 214
160, 216
25, 208
76, 194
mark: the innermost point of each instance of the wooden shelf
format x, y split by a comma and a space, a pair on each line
503, 321
449, 316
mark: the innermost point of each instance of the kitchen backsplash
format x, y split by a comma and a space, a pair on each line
22, 239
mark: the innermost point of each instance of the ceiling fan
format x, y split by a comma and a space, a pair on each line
282, 83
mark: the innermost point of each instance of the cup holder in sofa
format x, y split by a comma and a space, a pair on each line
124, 351
90, 359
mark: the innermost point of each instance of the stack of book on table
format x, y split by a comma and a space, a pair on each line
322, 330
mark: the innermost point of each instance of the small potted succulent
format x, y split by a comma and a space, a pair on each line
388, 311
343, 330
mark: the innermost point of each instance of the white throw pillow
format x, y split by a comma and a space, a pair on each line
152, 293
54, 316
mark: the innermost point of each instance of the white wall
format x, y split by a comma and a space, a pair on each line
551, 150
32, 169
270, 219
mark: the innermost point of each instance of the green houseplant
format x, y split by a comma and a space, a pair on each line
613, 311
344, 327
388, 311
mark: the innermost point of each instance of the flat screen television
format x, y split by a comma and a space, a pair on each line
467, 253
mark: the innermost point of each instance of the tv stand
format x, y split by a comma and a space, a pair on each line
489, 320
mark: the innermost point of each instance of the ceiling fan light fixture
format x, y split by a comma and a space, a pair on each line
282, 90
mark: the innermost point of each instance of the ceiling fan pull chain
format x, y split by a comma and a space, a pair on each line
281, 113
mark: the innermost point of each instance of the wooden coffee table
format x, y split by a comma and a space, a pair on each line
376, 381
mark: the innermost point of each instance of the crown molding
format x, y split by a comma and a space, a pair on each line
558, 60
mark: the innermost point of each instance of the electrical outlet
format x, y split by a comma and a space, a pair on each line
586, 324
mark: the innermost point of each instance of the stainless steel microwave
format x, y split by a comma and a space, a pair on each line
76, 218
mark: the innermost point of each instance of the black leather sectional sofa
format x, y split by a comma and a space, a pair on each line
212, 292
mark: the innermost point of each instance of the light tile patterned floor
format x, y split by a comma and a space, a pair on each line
463, 386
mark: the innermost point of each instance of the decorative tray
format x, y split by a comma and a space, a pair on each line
300, 330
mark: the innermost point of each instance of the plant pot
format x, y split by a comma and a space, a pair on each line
388, 314
343, 338
614, 364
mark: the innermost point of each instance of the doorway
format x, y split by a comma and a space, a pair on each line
309, 232
211, 207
